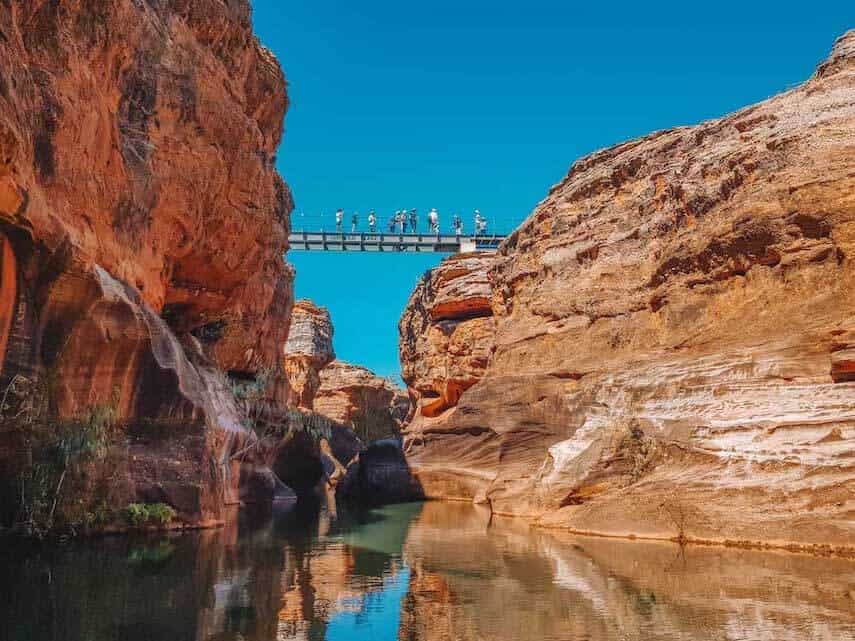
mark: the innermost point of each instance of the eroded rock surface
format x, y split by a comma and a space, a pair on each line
308, 350
143, 225
447, 332
672, 337
350, 394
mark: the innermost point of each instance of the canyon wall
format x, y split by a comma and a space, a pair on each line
339, 391
672, 346
308, 350
447, 332
143, 226
351, 407
350, 394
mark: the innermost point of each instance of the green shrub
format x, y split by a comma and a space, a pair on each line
136, 514
140, 514
161, 513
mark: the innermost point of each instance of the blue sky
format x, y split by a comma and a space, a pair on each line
458, 104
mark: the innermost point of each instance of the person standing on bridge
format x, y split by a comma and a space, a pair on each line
339, 219
372, 222
414, 221
354, 222
433, 219
392, 222
479, 223
457, 225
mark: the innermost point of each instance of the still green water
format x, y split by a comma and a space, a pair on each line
438, 571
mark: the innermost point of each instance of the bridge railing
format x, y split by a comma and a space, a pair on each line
301, 221
395, 242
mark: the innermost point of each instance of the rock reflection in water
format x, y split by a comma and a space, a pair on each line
436, 571
474, 577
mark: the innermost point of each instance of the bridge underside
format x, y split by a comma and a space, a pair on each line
362, 242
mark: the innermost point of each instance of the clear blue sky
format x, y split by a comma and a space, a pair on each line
458, 104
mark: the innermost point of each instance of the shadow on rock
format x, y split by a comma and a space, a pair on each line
380, 475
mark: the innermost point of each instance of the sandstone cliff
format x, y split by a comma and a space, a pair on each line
673, 337
447, 332
143, 228
356, 396
309, 349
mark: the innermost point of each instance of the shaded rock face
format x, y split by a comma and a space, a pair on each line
143, 222
308, 350
348, 393
672, 337
447, 333
380, 476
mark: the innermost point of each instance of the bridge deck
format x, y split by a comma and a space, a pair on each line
381, 242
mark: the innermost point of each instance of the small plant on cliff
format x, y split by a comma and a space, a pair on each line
249, 387
677, 511
140, 514
373, 423
25, 400
315, 425
53, 450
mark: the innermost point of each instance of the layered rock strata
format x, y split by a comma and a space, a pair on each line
143, 228
308, 350
447, 332
350, 394
672, 349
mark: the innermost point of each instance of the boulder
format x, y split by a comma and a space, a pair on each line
380, 476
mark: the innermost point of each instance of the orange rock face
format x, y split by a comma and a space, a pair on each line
143, 222
308, 350
142, 139
348, 393
672, 337
447, 333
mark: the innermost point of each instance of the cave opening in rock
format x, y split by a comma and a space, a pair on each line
298, 464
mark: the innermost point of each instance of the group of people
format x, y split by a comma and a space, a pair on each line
404, 220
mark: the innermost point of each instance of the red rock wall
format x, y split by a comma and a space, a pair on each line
146, 222
672, 343
141, 137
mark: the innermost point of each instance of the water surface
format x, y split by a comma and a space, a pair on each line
436, 571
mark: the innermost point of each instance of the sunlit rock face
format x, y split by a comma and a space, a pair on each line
447, 333
143, 221
350, 393
672, 349
308, 350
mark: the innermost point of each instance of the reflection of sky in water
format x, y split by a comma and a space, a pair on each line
375, 615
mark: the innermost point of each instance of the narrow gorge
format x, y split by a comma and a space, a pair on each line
629, 416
